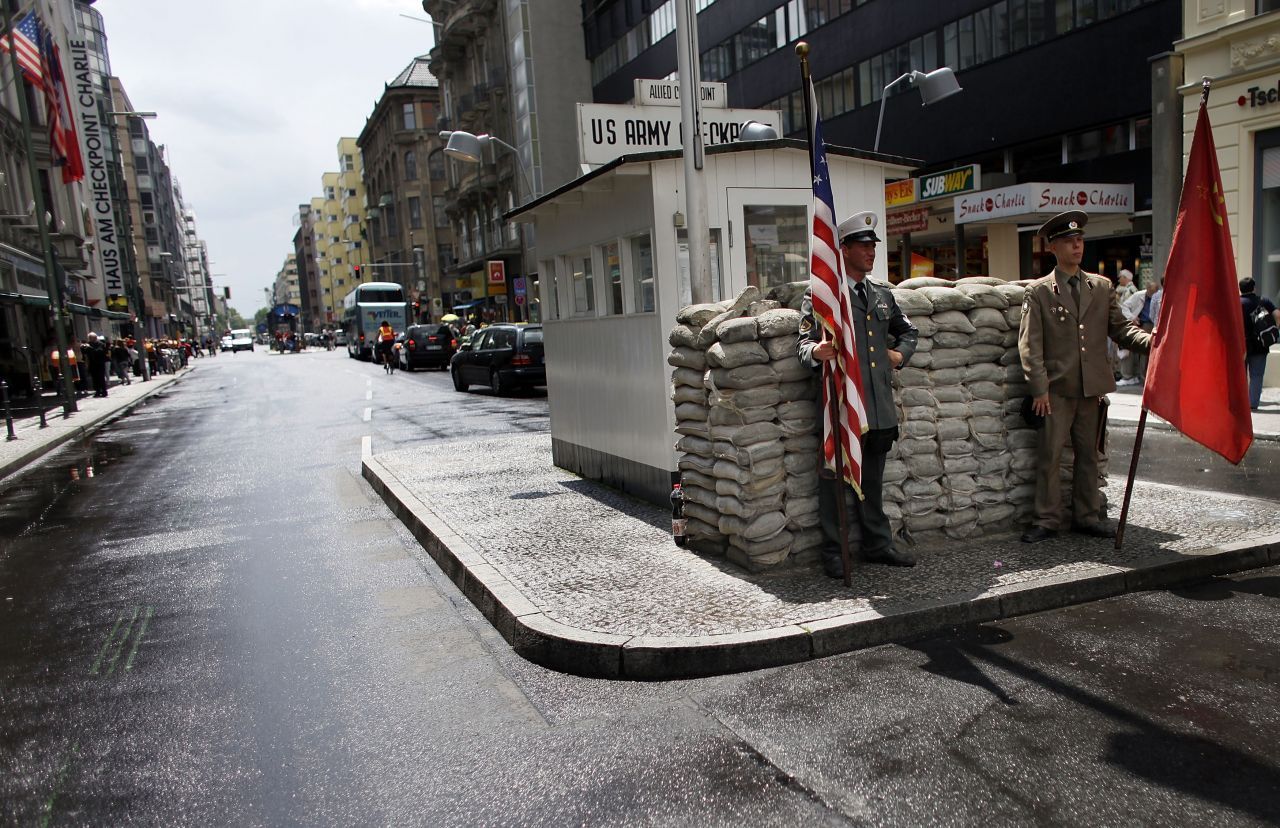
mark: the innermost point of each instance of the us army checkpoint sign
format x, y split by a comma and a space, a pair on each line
606, 131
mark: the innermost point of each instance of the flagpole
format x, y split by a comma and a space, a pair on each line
52, 286
833, 406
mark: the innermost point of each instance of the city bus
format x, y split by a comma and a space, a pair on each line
363, 310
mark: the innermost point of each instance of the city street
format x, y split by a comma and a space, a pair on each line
210, 618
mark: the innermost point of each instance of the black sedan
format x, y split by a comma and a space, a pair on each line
504, 357
427, 346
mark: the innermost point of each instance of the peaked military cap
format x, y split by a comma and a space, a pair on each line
1070, 223
859, 227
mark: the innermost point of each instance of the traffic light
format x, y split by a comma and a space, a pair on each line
226, 293
356, 270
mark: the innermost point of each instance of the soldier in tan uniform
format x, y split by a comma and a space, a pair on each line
1067, 318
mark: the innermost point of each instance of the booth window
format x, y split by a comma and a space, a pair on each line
777, 243
547, 289
582, 284
642, 273
613, 272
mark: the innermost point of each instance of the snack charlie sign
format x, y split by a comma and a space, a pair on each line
607, 131
1043, 199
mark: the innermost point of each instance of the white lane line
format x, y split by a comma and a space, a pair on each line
368, 395
368, 415
366, 447
368, 381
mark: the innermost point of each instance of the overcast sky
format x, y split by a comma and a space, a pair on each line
251, 97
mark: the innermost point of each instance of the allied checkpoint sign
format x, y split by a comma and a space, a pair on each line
607, 131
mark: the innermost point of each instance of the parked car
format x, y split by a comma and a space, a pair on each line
504, 357
340, 337
427, 346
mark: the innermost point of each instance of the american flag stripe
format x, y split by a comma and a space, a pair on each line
25, 33
834, 310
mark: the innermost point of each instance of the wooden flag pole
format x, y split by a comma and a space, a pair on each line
842, 515
1133, 470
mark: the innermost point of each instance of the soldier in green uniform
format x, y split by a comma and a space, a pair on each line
885, 341
1067, 318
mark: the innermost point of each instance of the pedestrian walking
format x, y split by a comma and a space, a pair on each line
121, 362
1142, 308
1067, 318
884, 341
1124, 285
96, 356
1255, 356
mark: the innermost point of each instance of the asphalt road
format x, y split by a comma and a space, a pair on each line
224, 626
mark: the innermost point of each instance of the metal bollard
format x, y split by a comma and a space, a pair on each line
8, 415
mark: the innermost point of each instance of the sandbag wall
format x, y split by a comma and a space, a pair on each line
748, 424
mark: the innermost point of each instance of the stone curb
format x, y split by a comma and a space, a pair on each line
542, 640
1160, 425
47, 443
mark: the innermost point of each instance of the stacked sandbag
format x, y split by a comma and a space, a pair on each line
746, 423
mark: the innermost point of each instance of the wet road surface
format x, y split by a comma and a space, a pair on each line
222, 625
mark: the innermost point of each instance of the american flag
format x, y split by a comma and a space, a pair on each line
63, 139
26, 40
833, 310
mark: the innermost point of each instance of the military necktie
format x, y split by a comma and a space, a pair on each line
1074, 283
862, 292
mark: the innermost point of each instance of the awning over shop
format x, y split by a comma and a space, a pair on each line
97, 313
25, 299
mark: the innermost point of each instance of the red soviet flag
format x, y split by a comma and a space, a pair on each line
1196, 379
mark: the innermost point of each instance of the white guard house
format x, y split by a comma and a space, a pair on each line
613, 272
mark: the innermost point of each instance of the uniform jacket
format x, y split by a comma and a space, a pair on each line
880, 328
1064, 348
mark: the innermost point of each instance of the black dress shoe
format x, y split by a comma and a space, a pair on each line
890, 556
1036, 534
832, 565
1100, 529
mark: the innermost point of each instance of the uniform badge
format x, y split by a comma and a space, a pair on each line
806, 325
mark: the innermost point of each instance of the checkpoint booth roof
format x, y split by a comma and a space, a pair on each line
613, 270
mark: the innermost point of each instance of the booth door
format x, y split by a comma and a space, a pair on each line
768, 231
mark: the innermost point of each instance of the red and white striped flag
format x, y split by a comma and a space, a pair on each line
834, 311
25, 38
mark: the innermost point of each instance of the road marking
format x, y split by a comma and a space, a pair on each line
57, 785
101, 653
366, 447
368, 395
137, 639
368, 414
119, 647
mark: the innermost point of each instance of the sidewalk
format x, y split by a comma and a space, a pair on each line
583, 579
1126, 407
33, 441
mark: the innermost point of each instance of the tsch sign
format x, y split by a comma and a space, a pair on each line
607, 131
1044, 200
1257, 96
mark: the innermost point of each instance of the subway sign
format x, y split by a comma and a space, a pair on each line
949, 182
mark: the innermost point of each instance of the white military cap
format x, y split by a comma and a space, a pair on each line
859, 227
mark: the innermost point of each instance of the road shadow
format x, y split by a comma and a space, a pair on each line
1220, 589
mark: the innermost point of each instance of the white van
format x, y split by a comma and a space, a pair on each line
241, 340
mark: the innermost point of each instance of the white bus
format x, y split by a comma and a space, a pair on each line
363, 310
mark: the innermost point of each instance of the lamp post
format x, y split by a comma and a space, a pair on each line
464, 146
52, 285
934, 86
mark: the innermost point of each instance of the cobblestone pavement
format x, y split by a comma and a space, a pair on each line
596, 560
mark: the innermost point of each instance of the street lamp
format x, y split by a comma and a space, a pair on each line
934, 86
756, 131
464, 146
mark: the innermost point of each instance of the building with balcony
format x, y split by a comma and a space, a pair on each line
284, 289
1018, 121
408, 226
485, 56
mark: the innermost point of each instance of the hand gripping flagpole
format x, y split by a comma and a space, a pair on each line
833, 406
1142, 418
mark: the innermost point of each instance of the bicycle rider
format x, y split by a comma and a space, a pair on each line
386, 339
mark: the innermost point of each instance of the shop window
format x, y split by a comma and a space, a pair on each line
410, 167
1265, 6
1036, 158
1095, 143
1018, 24
641, 273
613, 277
1266, 245
1000, 29
1142, 133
